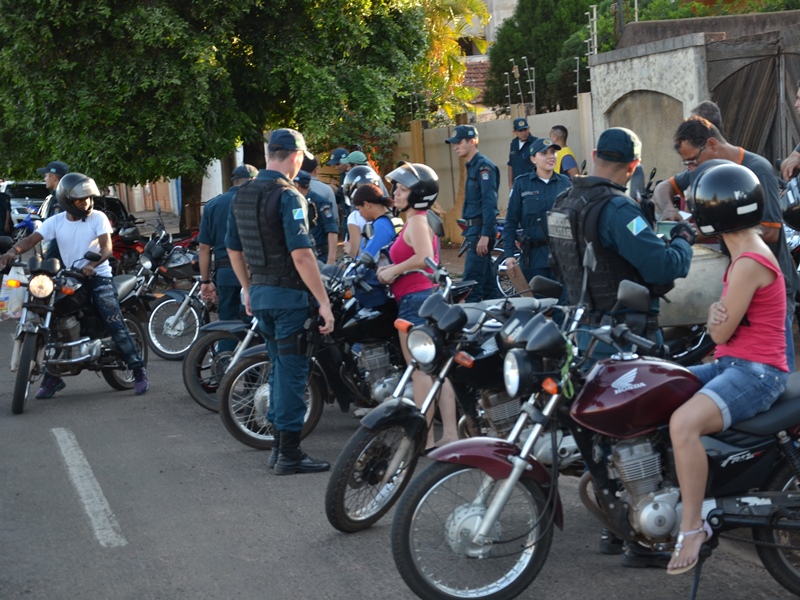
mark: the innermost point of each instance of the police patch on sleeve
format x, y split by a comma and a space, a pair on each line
297, 214
485, 175
637, 226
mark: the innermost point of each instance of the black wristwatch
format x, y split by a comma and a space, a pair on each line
204, 281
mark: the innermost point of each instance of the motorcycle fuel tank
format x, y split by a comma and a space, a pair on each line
370, 325
627, 398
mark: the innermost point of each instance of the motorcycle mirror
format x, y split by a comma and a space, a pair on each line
548, 288
5, 243
653, 174
367, 260
92, 256
633, 296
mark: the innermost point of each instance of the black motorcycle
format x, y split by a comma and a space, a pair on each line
60, 331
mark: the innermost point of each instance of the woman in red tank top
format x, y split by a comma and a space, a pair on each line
749, 371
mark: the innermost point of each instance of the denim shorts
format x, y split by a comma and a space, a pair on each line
409, 305
740, 388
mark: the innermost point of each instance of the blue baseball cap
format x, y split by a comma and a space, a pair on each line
618, 144
244, 172
303, 178
336, 156
288, 139
520, 124
542, 144
463, 132
56, 166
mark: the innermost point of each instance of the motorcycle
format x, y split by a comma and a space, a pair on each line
462, 343
126, 246
504, 284
60, 331
24, 226
218, 348
479, 521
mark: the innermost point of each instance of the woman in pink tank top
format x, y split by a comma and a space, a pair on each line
749, 371
415, 188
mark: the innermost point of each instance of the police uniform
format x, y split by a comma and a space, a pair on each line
519, 157
531, 199
278, 298
213, 229
324, 225
480, 213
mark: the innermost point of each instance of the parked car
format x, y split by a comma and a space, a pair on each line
25, 193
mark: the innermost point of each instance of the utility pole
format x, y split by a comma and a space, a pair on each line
515, 71
508, 91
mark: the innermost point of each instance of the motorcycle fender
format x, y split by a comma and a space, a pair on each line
394, 412
233, 326
490, 455
259, 350
27, 327
180, 295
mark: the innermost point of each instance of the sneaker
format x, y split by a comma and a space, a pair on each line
141, 384
50, 385
361, 412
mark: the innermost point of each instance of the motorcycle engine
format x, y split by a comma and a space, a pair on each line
637, 465
501, 410
68, 330
382, 377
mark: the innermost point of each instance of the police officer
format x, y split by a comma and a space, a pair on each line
213, 228
479, 211
519, 154
271, 252
532, 196
52, 173
324, 230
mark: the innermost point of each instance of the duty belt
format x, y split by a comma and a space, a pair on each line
223, 263
472, 222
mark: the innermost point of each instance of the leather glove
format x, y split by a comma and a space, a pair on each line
684, 230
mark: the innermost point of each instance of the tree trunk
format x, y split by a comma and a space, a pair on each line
254, 154
191, 193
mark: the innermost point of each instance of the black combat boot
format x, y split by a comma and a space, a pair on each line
276, 448
293, 460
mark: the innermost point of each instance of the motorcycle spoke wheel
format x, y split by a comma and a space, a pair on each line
27, 365
122, 379
433, 528
356, 498
170, 336
504, 284
782, 563
205, 365
244, 402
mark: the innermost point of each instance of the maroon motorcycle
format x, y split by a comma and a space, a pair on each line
478, 522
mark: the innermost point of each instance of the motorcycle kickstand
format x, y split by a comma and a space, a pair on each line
704, 554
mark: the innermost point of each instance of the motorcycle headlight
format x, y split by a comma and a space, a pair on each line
40, 286
423, 344
145, 262
521, 373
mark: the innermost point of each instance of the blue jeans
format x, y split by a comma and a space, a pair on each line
409, 305
790, 303
288, 374
480, 269
106, 301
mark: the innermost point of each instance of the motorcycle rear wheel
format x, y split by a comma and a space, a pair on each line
171, 338
782, 563
22, 385
122, 379
205, 365
355, 499
239, 392
504, 284
433, 525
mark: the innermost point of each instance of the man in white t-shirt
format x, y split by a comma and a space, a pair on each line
79, 229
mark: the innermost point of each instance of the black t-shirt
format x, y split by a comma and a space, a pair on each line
5, 208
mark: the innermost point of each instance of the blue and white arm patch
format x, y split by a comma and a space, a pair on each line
637, 226
297, 214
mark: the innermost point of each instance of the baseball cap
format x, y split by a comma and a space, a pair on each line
520, 124
463, 132
244, 172
56, 166
618, 144
288, 139
309, 164
355, 158
542, 144
303, 178
336, 156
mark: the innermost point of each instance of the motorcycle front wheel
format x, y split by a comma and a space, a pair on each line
504, 284
782, 563
122, 379
243, 397
27, 362
204, 366
171, 336
433, 528
356, 498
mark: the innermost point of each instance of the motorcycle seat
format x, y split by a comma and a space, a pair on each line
125, 284
784, 413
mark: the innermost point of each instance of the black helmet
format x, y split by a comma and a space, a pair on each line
76, 186
420, 179
356, 177
725, 197
791, 203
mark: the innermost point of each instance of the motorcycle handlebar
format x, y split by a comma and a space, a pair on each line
624, 334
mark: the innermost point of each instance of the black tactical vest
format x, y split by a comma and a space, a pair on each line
257, 210
572, 224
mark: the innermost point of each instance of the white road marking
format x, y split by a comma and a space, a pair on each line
105, 526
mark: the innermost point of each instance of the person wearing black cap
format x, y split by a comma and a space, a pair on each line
272, 254
519, 154
341, 167
324, 229
213, 227
479, 211
532, 196
52, 173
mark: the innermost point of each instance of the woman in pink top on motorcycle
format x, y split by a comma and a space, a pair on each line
415, 188
749, 371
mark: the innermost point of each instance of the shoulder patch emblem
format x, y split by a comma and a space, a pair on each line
485, 175
637, 225
297, 214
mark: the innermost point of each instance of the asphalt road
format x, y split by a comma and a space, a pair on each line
106, 495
